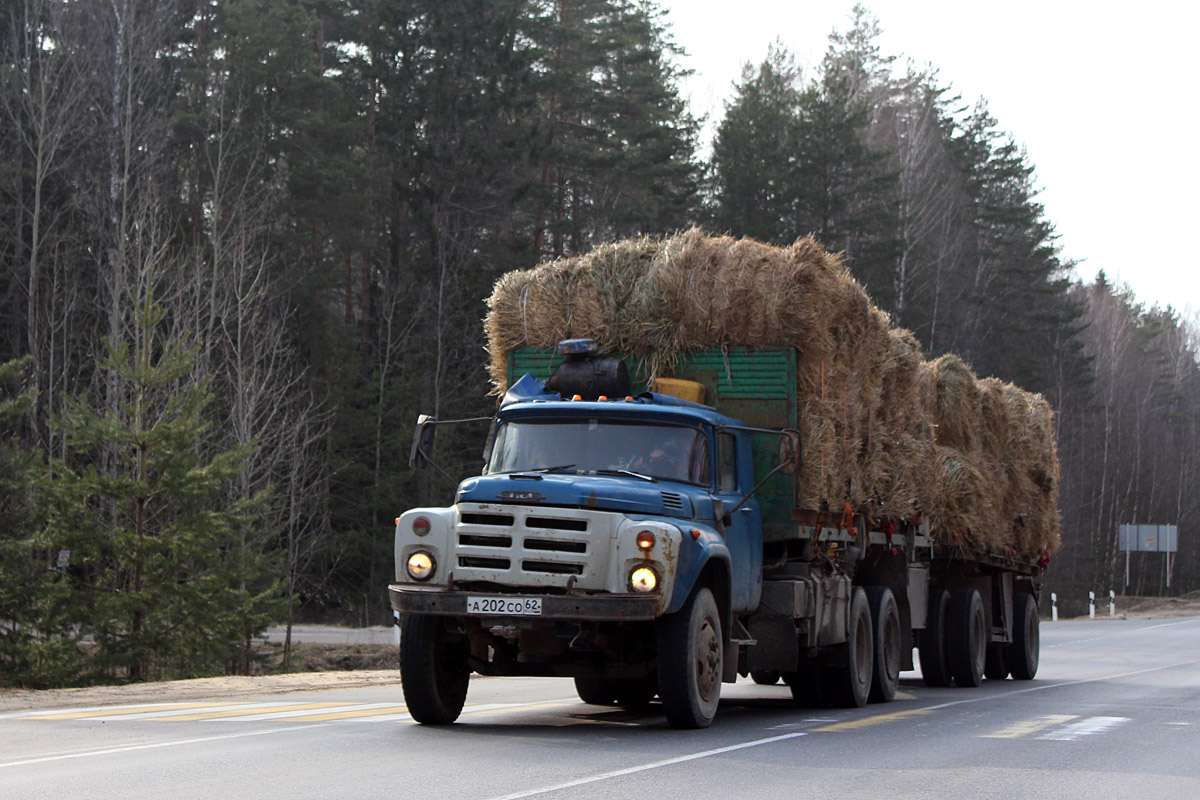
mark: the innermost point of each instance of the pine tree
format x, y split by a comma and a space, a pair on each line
159, 578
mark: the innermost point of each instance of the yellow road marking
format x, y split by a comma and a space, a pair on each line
1018, 729
867, 722
246, 712
362, 712
118, 711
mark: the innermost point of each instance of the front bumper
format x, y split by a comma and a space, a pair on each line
595, 608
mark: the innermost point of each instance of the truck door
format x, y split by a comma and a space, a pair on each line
743, 533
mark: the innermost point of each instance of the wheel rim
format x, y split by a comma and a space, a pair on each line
708, 659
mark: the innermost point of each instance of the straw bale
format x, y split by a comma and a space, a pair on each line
883, 428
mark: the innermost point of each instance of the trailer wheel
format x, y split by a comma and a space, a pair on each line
995, 668
691, 662
885, 619
766, 677
966, 637
931, 642
1022, 655
434, 671
849, 684
595, 691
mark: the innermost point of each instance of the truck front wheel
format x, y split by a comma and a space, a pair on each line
691, 662
434, 671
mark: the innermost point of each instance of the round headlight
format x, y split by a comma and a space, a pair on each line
643, 579
421, 566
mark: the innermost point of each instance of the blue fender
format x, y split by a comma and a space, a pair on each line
695, 554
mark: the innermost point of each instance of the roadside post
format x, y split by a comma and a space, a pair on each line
1112, 603
1054, 607
1092, 605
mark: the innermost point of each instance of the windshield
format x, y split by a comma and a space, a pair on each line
585, 445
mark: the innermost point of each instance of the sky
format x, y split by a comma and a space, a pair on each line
1103, 96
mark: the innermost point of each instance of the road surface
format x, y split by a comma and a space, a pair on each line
1114, 713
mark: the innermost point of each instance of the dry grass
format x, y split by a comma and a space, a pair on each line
879, 422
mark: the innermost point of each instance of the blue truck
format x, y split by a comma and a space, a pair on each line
647, 544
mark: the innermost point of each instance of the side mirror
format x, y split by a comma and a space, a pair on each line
422, 446
789, 451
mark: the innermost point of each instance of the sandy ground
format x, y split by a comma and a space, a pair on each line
368, 659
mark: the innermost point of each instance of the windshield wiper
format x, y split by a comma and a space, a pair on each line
626, 472
559, 468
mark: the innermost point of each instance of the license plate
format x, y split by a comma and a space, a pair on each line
505, 606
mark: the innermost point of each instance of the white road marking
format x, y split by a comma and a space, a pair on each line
1085, 727
642, 768
1119, 633
155, 745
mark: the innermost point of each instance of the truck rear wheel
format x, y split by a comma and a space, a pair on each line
849, 684
766, 677
966, 637
434, 672
691, 662
1022, 655
885, 623
931, 643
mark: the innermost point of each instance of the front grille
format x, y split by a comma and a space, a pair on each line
483, 540
557, 524
480, 562
552, 567
486, 519
556, 545
533, 545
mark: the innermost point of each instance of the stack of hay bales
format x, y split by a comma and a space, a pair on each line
893, 434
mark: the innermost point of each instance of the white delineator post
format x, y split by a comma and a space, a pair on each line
1112, 603
1053, 607
1092, 605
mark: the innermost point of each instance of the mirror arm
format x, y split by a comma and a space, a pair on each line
757, 486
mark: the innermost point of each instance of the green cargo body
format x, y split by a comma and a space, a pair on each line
754, 386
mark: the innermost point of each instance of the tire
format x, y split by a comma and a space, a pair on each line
691, 662
966, 637
634, 692
805, 683
434, 671
595, 691
995, 667
931, 642
1021, 656
849, 684
885, 625
766, 677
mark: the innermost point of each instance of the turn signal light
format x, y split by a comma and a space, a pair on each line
420, 526
645, 540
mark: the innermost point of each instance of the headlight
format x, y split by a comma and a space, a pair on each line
421, 566
643, 579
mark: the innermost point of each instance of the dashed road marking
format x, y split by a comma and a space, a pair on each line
867, 722
1026, 727
1086, 727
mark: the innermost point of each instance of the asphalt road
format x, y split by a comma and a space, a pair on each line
1114, 713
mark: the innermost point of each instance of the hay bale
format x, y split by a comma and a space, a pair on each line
879, 423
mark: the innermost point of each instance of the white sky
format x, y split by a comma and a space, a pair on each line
1103, 95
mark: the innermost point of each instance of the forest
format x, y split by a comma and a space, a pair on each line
243, 243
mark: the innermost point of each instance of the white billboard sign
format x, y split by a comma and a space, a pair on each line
1148, 538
